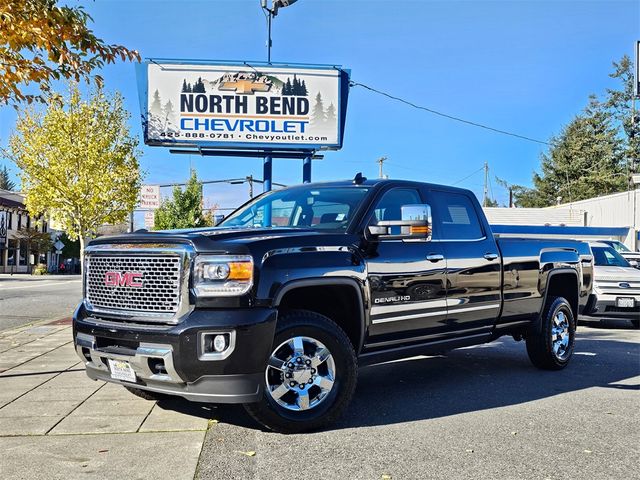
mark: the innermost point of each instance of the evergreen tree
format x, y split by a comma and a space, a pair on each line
331, 114
584, 161
296, 86
184, 210
169, 116
303, 89
198, 87
156, 105
185, 87
286, 90
318, 115
5, 180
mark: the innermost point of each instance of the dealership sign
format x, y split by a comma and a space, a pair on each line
256, 106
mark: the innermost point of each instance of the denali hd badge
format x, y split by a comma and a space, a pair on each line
399, 298
126, 279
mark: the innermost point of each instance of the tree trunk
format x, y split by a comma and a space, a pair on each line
82, 242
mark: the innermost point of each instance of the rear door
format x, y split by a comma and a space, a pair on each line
473, 272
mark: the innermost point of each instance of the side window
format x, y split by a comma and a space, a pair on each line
389, 206
455, 218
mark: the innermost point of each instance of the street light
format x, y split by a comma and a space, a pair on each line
272, 12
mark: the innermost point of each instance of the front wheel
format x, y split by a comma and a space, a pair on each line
310, 376
550, 345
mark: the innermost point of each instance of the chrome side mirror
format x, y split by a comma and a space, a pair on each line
415, 223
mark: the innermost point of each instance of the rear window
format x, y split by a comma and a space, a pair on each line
456, 218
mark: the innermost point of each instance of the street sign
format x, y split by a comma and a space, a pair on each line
58, 245
242, 105
149, 197
149, 219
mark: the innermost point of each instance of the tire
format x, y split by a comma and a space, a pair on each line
146, 394
549, 349
298, 343
635, 323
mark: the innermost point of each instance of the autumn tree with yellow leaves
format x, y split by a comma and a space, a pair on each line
78, 161
41, 42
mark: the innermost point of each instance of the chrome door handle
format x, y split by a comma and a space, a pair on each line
490, 256
433, 257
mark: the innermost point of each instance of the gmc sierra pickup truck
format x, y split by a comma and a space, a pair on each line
278, 305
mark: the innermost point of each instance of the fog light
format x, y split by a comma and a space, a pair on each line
220, 343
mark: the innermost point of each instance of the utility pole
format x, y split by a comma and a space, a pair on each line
380, 162
486, 185
250, 180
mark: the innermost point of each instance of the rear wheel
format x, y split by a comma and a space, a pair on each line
310, 376
550, 345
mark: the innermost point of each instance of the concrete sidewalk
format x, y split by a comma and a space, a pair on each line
57, 423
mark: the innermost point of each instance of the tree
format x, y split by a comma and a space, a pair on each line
584, 161
620, 104
331, 114
169, 116
5, 180
42, 42
156, 104
317, 115
71, 248
184, 210
78, 161
36, 241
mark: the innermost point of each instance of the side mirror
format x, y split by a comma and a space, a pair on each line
415, 223
633, 263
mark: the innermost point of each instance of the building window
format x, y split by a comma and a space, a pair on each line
28, 221
10, 220
19, 221
11, 260
22, 257
44, 227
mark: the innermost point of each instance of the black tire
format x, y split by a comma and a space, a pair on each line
540, 341
146, 394
310, 324
635, 323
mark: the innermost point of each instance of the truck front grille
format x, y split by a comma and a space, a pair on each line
111, 287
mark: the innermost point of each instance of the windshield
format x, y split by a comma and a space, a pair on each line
608, 257
327, 208
619, 247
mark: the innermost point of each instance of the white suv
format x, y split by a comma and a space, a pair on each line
616, 285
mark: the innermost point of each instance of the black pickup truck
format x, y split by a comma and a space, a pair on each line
278, 305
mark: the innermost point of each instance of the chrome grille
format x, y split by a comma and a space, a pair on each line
161, 281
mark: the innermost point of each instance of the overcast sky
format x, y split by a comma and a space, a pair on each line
524, 66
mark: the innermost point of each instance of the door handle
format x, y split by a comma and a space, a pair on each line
434, 257
490, 256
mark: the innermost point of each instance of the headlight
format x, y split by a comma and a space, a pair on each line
222, 275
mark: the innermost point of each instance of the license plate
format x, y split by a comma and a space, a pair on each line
625, 302
121, 370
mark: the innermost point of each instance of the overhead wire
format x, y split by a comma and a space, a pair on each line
446, 115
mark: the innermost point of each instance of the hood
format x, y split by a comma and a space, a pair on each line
603, 273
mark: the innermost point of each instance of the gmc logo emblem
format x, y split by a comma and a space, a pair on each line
126, 279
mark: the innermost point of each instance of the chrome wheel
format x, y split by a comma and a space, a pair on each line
300, 374
560, 335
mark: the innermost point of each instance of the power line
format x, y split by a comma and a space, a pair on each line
445, 115
468, 176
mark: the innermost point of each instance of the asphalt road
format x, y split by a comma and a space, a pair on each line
478, 413
28, 299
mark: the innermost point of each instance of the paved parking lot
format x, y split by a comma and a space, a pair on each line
481, 412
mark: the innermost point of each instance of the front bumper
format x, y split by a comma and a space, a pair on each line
605, 305
170, 359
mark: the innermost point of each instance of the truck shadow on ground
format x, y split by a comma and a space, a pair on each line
488, 376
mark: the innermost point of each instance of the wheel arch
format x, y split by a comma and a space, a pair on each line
340, 299
562, 282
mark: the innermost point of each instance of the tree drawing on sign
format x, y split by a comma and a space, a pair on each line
198, 87
169, 116
186, 87
156, 105
330, 117
295, 87
318, 116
